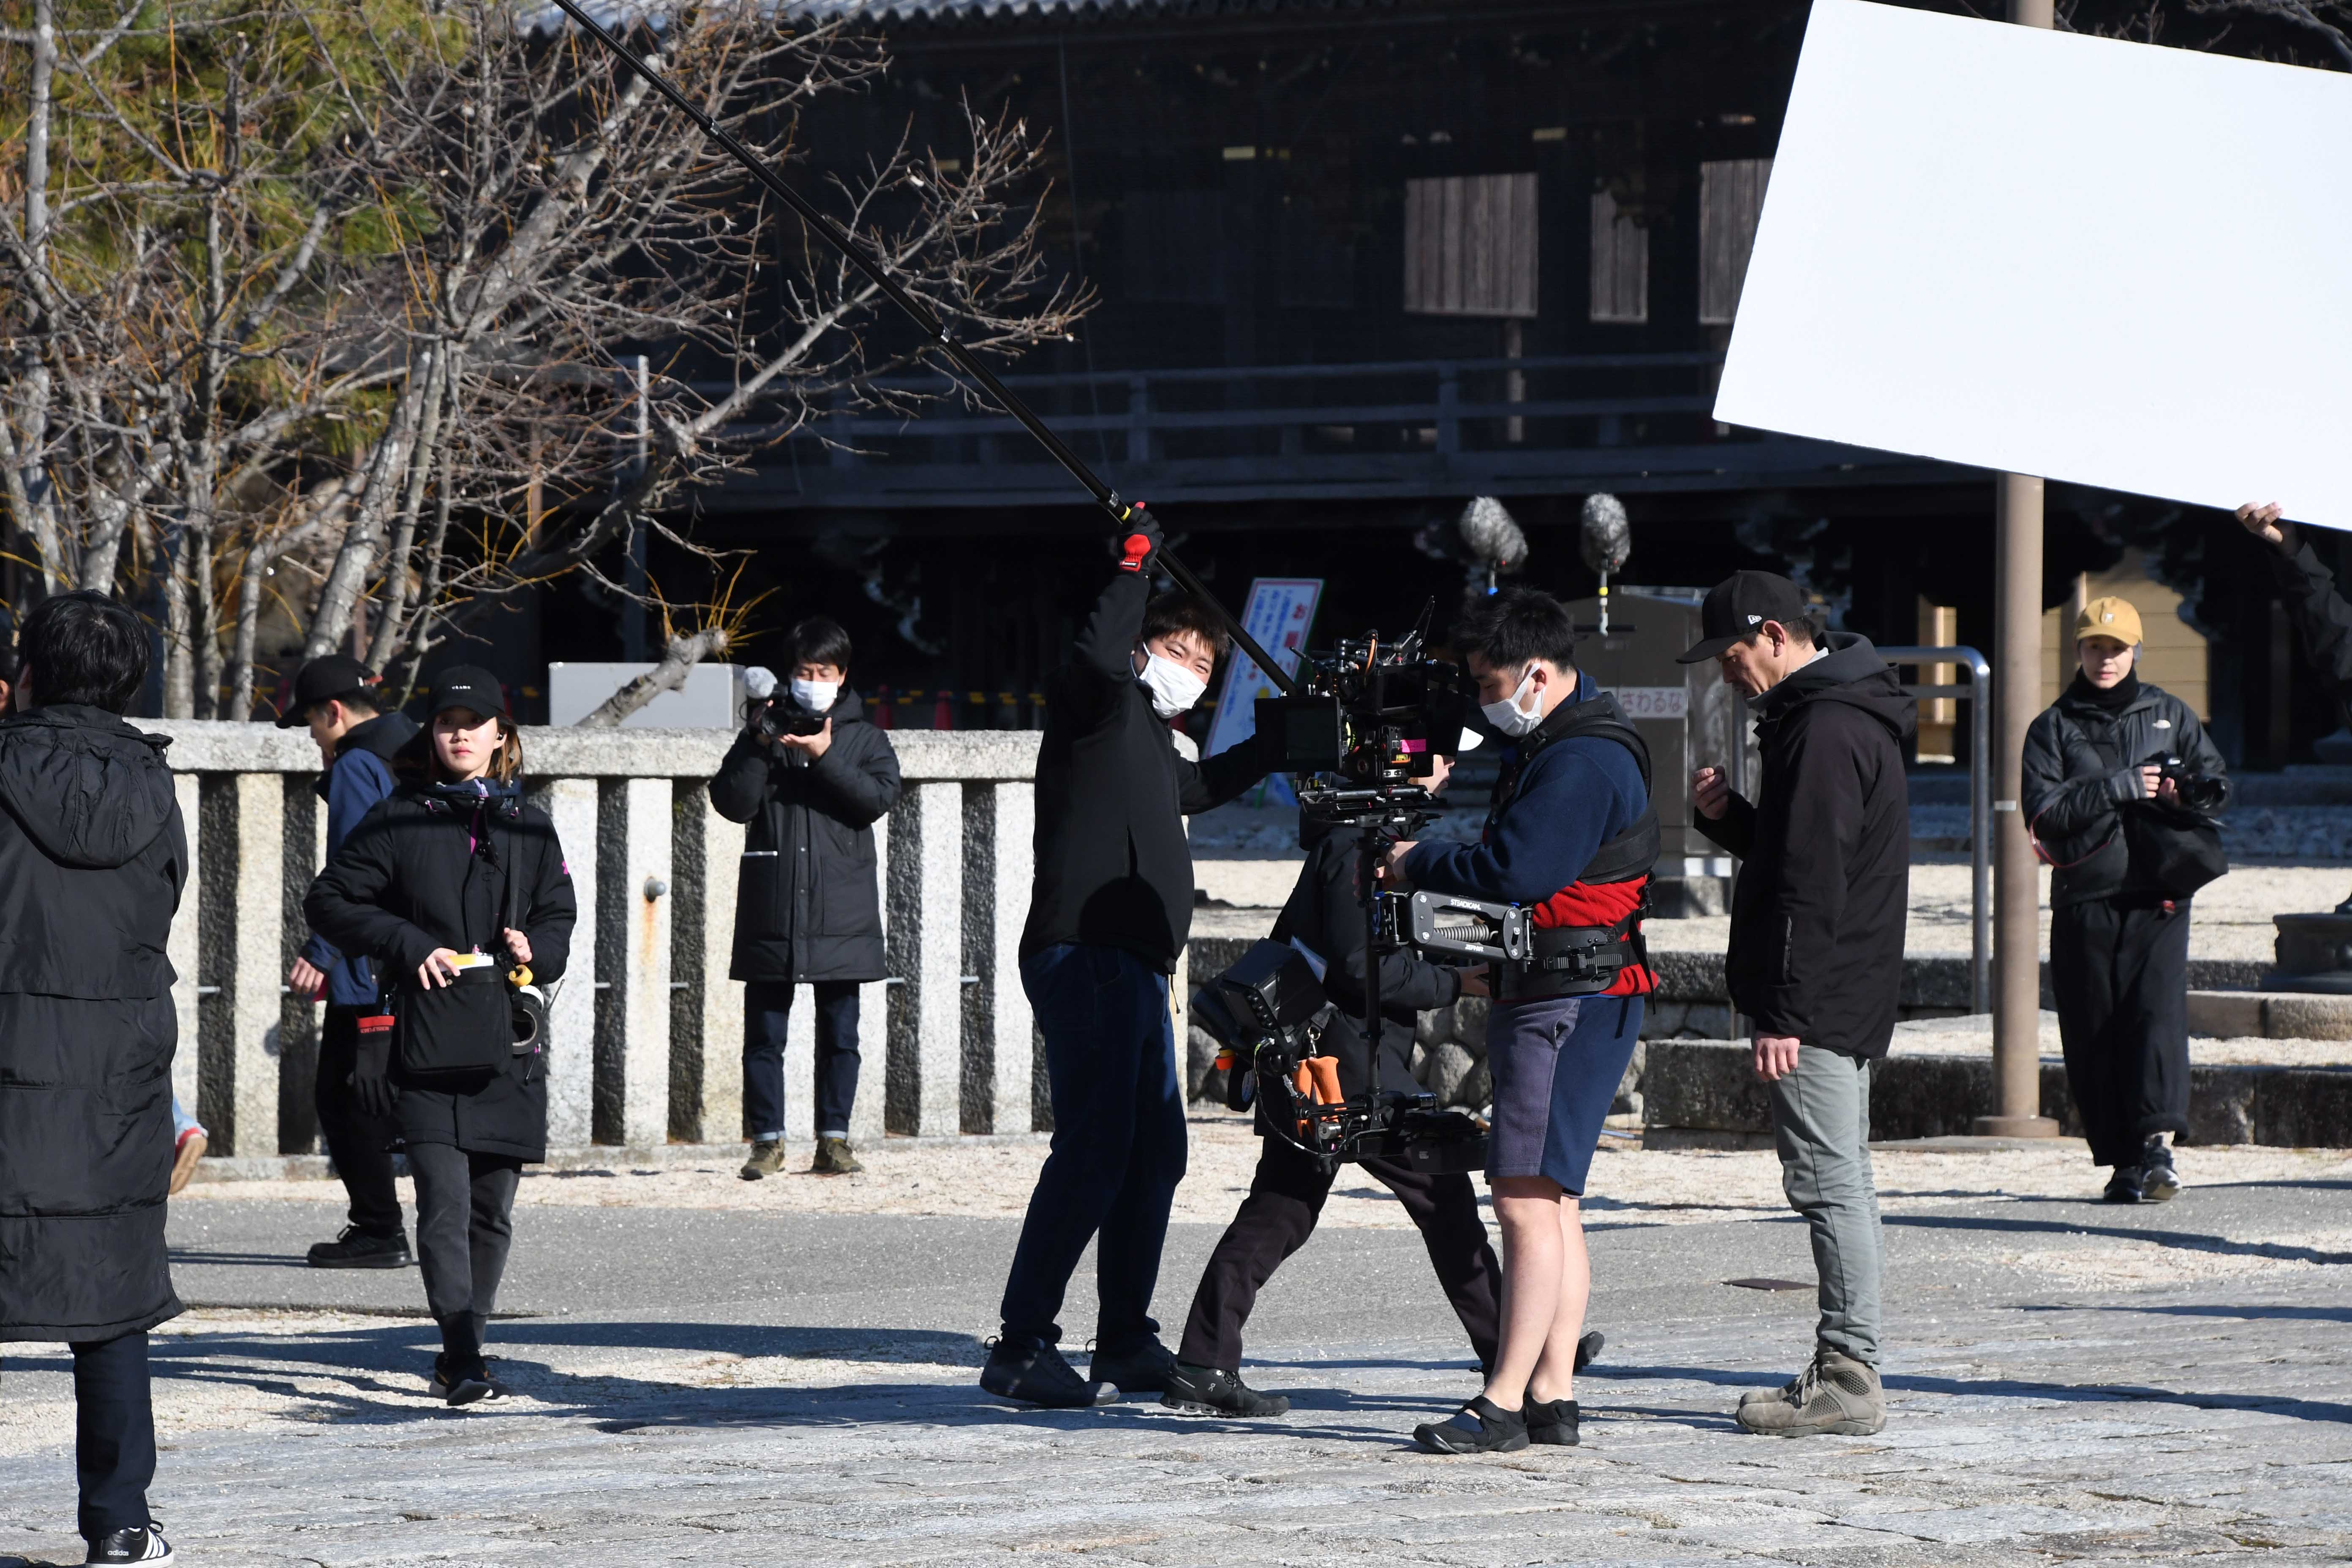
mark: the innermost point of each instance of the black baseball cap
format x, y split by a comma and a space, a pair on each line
325, 678
469, 686
1736, 606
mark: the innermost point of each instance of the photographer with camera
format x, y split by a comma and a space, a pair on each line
1110, 911
1571, 836
1324, 921
810, 777
2111, 751
1816, 955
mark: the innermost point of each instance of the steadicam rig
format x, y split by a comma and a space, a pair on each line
1370, 716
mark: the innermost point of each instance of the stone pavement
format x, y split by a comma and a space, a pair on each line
2069, 1381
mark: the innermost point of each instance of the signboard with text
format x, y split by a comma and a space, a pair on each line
1279, 614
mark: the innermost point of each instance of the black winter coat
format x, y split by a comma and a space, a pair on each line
1824, 886
808, 904
1323, 915
1113, 866
2321, 619
419, 874
93, 860
2082, 774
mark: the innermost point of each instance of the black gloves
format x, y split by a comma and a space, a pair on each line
1138, 539
372, 1067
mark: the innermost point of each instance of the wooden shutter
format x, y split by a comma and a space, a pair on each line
1470, 245
1174, 243
1621, 263
1730, 198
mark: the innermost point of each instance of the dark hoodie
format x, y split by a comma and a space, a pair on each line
361, 778
1817, 916
92, 861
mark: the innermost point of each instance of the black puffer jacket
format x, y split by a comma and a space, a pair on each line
421, 872
93, 860
808, 905
2082, 774
1824, 888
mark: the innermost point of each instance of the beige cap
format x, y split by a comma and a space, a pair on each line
2108, 617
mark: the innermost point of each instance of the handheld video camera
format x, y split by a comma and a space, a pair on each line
770, 715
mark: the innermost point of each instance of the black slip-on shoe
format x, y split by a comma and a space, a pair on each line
142, 1545
1481, 1426
1038, 1375
1142, 1367
1588, 1349
1210, 1391
1551, 1421
2124, 1187
355, 1248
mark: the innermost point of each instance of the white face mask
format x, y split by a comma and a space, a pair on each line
1174, 687
1507, 715
816, 696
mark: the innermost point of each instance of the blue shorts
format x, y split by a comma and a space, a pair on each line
1556, 1064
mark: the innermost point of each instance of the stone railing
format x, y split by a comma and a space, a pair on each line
646, 1029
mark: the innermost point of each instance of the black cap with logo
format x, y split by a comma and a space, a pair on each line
469, 686
1736, 606
324, 679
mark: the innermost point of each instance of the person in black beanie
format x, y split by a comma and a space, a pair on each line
453, 873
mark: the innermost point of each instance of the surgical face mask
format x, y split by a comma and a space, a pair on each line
1507, 715
1174, 687
816, 696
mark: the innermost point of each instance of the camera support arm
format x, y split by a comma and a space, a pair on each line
933, 328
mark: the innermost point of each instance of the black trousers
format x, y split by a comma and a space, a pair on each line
114, 1434
1285, 1199
2120, 969
360, 1144
767, 1013
464, 1226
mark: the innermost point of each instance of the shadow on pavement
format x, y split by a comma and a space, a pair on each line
2300, 1313
2188, 1240
2012, 1388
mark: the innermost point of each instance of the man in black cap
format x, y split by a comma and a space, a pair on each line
335, 695
1816, 959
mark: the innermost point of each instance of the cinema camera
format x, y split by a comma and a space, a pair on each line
770, 715
1368, 717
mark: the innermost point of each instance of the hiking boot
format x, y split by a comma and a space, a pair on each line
190, 1150
1837, 1394
1208, 1391
145, 1544
1143, 1366
356, 1249
767, 1159
2159, 1181
2124, 1187
1038, 1375
1550, 1421
833, 1159
1786, 1390
1481, 1426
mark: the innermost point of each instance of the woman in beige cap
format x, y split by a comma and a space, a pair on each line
2118, 958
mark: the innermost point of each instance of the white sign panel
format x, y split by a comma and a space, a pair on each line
2105, 262
1671, 702
1279, 614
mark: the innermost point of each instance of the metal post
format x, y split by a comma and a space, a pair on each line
2017, 883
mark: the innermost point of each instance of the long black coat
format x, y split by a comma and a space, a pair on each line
419, 874
2322, 618
2082, 774
808, 904
1818, 912
93, 858
1113, 866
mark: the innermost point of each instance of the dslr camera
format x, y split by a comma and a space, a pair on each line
2205, 794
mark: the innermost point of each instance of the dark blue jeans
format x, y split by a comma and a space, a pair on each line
114, 1434
767, 1011
1118, 1142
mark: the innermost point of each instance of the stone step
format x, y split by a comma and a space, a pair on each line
2270, 1015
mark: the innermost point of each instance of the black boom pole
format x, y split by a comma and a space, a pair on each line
932, 328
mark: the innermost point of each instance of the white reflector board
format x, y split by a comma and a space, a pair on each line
2090, 260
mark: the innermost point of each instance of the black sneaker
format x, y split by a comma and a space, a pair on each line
1143, 1367
2158, 1180
142, 1545
1207, 1391
1038, 1375
1550, 1421
1481, 1426
2124, 1187
356, 1249
1588, 1349
469, 1387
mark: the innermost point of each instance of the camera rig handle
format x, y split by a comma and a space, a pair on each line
932, 328
1442, 923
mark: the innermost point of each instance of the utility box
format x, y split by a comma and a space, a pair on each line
1689, 718
710, 697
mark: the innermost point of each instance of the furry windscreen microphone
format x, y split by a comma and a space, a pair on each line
1493, 537
1608, 534
758, 682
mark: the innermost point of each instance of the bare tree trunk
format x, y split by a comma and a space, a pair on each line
206, 623
354, 563
427, 456
179, 664
684, 654
33, 491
